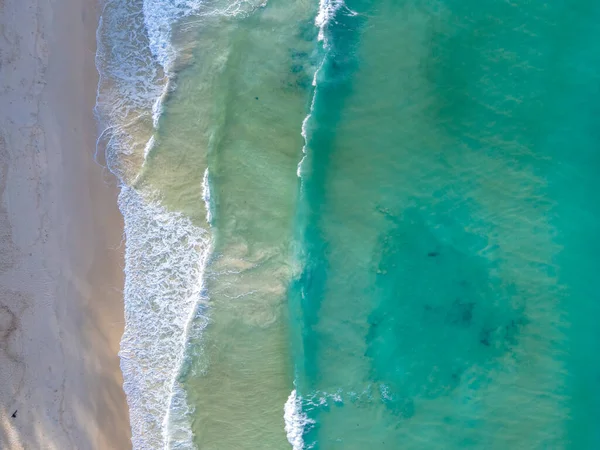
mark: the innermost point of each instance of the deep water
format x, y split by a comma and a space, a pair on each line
447, 229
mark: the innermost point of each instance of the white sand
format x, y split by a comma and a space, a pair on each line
61, 309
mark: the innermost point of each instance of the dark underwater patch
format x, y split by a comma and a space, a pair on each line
436, 316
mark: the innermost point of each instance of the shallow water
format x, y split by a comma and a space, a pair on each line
237, 110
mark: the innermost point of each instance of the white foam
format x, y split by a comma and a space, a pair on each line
206, 196
178, 433
130, 82
134, 58
239, 8
165, 258
323, 398
149, 146
159, 17
157, 106
306, 120
385, 392
296, 421
165, 253
327, 11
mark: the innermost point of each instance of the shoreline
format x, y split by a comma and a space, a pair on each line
61, 255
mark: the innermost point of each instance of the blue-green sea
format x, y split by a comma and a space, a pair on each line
369, 224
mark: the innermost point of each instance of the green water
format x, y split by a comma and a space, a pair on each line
238, 109
430, 281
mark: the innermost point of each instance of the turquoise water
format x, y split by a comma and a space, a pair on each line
447, 229
369, 224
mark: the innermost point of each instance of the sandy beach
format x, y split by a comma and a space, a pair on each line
61, 255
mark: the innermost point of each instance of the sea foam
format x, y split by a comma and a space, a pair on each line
159, 16
165, 256
327, 11
206, 196
165, 253
296, 421
326, 14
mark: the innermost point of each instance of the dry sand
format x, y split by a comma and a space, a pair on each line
61, 310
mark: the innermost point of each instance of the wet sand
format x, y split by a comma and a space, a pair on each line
61, 256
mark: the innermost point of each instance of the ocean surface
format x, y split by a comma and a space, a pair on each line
361, 224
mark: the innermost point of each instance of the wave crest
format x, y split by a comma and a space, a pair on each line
165, 257
297, 423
